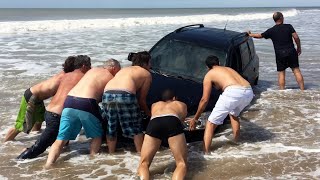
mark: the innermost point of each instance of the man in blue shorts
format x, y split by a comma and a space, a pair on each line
286, 55
81, 110
121, 104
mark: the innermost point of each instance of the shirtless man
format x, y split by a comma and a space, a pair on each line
120, 102
52, 115
81, 109
237, 94
165, 124
31, 113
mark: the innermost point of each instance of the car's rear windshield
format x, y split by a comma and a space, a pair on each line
187, 60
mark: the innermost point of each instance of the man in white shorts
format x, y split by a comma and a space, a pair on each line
237, 94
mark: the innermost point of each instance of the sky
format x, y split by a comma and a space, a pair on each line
154, 4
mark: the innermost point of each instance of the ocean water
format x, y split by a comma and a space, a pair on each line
279, 131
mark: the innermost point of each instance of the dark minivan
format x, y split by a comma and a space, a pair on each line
178, 63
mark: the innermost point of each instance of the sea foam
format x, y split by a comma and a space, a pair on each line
18, 27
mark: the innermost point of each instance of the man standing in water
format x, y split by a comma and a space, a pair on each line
81, 109
237, 94
120, 102
52, 115
286, 55
31, 113
165, 123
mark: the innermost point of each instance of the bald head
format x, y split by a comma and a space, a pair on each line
277, 17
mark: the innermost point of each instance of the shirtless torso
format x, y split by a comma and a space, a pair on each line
47, 88
68, 82
92, 84
221, 77
133, 79
169, 108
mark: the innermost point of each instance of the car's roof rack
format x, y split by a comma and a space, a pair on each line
180, 29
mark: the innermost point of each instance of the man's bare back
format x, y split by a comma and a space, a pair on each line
222, 77
47, 88
92, 84
133, 79
165, 124
67, 83
169, 107
130, 79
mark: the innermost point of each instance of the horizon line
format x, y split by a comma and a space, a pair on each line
157, 7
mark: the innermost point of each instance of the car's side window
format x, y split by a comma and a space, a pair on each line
245, 54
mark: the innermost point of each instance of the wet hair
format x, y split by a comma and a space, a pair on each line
167, 95
277, 15
82, 60
112, 63
139, 58
68, 65
212, 61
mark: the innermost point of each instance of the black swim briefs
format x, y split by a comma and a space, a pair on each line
164, 127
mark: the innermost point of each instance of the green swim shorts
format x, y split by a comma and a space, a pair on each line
31, 112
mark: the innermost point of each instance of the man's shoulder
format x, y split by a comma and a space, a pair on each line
141, 71
97, 70
181, 103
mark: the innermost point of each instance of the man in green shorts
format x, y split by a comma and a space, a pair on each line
31, 113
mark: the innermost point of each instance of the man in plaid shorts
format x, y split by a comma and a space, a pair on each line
120, 103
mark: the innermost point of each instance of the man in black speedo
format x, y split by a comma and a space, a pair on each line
165, 123
286, 54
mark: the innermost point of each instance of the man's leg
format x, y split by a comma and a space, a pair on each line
36, 126
208, 134
149, 148
47, 137
299, 77
54, 152
282, 79
11, 134
95, 146
111, 142
138, 140
18, 127
178, 147
235, 124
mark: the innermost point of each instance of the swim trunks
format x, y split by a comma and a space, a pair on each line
31, 111
164, 127
287, 58
121, 107
77, 113
46, 139
232, 101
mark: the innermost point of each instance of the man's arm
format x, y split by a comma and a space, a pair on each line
143, 95
207, 87
254, 35
297, 40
